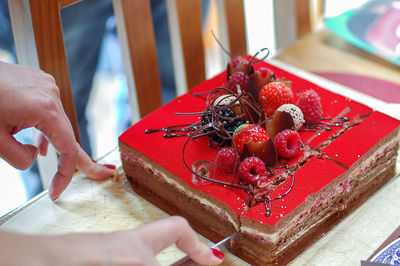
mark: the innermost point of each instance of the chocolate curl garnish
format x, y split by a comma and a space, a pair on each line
254, 59
243, 105
253, 115
279, 122
249, 109
247, 68
204, 168
257, 81
265, 150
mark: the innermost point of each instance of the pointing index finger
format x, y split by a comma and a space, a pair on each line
59, 132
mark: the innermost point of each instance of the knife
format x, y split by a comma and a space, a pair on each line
187, 261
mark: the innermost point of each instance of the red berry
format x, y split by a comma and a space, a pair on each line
310, 104
287, 143
273, 95
249, 132
237, 61
253, 170
226, 160
238, 78
264, 71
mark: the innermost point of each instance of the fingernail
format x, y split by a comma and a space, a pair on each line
218, 253
93, 160
110, 166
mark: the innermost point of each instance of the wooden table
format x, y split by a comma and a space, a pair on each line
322, 51
105, 206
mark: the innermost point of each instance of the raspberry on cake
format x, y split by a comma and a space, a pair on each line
279, 204
238, 60
238, 79
227, 160
288, 143
253, 170
310, 104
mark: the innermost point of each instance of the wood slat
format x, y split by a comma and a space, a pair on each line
185, 24
135, 29
24, 39
46, 23
303, 14
285, 23
317, 13
235, 26
189, 14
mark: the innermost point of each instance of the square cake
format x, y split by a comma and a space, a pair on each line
235, 154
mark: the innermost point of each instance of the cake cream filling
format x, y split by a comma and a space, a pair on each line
307, 219
180, 187
272, 237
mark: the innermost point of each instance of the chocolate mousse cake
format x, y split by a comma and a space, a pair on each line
260, 151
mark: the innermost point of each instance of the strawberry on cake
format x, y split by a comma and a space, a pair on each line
260, 151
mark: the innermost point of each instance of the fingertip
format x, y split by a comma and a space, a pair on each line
92, 168
53, 196
58, 185
102, 171
196, 250
207, 256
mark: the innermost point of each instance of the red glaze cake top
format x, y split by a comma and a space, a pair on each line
309, 178
358, 140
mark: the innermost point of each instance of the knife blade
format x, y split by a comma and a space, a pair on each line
187, 261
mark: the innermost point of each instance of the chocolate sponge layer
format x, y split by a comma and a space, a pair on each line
206, 215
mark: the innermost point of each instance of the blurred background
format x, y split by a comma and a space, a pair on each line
107, 111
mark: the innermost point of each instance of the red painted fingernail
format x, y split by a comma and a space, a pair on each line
93, 160
110, 166
218, 253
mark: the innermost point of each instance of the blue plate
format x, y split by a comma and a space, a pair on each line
389, 254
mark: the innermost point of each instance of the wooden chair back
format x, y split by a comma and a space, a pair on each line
39, 43
186, 32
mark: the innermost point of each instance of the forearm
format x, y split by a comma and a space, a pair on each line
43, 250
18, 249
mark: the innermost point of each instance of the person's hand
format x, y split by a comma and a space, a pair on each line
30, 98
133, 247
